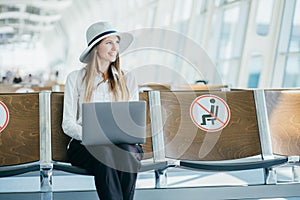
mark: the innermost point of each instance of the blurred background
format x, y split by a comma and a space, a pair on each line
251, 43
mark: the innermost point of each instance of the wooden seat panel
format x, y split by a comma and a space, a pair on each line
61, 140
283, 109
19, 141
185, 141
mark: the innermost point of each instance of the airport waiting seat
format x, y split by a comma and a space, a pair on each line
59, 140
196, 149
58, 159
19, 140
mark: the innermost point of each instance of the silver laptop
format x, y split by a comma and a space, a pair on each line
114, 123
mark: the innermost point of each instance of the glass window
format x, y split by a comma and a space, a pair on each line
295, 36
181, 27
229, 70
163, 13
255, 66
284, 44
227, 39
288, 58
230, 26
197, 27
182, 10
230, 1
201, 6
150, 17
219, 3
292, 72
263, 17
186, 9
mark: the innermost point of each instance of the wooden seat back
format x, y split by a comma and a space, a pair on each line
283, 107
183, 140
147, 147
19, 141
59, 140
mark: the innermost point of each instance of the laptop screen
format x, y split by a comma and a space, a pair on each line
114, 122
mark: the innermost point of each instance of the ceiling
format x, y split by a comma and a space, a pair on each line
23, 21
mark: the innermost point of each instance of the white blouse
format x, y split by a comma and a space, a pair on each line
73, 98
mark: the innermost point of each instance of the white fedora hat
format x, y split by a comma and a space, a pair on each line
100, 30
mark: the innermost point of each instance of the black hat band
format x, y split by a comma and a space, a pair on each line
101, 35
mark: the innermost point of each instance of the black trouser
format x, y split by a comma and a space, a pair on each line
114, 167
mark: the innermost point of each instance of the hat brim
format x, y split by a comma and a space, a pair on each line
125, 41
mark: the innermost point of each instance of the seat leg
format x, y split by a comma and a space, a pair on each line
296, 173
270, 176
46, 182
161, 178
47, 195
292, 162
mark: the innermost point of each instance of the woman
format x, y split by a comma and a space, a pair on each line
102, 80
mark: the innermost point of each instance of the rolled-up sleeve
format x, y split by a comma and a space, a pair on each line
70, 112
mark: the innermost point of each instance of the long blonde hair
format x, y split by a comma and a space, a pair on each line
117, 83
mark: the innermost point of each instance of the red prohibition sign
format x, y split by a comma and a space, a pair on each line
210, 113
4, 116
